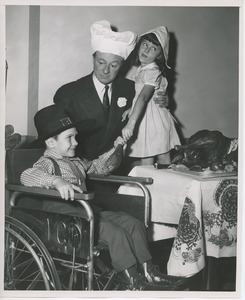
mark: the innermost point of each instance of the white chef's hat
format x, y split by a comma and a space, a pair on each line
103, 39
162, 35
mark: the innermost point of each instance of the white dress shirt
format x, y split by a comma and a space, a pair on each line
100, 88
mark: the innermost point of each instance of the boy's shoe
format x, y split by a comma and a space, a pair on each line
153, 275
140, 283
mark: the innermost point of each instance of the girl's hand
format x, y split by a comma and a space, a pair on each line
66, 189
127, 132
125, 114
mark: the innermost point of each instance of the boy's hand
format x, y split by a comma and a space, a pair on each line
119, 141
65, 188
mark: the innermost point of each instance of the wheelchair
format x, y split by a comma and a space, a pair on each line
49, 251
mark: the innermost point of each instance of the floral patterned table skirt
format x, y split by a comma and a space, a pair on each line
205, 211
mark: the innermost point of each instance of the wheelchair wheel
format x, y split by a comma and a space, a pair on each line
106, 278
73, 274
27, 263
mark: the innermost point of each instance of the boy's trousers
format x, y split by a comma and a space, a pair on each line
126, 239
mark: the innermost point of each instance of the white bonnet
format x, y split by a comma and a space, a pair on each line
103, 39
162, 35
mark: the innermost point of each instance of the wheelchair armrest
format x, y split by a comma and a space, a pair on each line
120, 179
43, 192
140, 182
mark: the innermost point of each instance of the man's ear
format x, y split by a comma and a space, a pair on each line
50, 142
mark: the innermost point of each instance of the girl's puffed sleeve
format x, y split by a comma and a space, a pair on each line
163, 83
153, 77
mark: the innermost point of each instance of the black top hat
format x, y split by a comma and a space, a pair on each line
53, 120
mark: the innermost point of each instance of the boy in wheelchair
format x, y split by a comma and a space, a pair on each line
59, 169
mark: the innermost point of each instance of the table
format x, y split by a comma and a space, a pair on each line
205, 210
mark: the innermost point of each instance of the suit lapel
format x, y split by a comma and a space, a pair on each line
91, 102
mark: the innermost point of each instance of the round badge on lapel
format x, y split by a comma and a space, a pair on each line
121, 102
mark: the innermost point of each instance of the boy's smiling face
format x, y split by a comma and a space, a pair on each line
65, 144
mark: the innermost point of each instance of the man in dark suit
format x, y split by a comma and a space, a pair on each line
83, 98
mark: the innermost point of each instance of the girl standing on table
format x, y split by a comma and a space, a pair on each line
150, 128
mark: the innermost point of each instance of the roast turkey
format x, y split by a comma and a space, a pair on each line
204, 148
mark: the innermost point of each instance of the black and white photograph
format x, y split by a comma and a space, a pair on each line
115, 184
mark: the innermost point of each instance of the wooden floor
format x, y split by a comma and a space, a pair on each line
223, 274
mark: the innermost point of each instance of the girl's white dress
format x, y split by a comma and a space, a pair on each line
156, 133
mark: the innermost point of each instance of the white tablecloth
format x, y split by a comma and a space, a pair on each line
205, 211
167, 193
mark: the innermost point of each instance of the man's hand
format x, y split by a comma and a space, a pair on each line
66, 189
125, 114
161, 99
